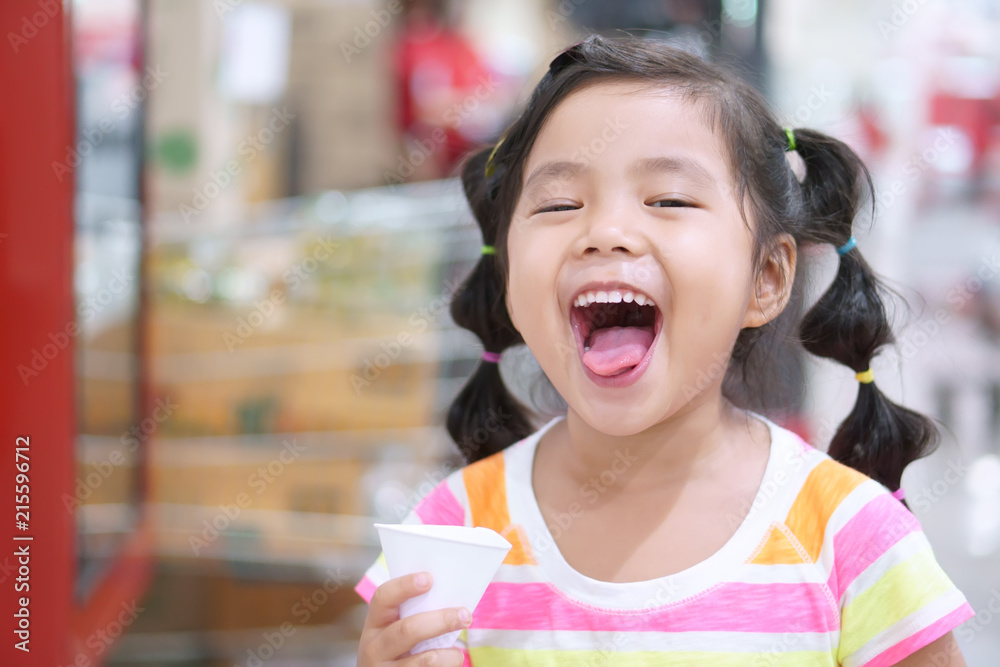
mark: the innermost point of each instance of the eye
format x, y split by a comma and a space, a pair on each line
554, 208
671, 203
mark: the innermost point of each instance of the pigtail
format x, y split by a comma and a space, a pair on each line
485, 417
849, 323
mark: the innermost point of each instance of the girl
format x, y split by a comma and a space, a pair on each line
642, 222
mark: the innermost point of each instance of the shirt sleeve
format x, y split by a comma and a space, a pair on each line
894, 596
444, 505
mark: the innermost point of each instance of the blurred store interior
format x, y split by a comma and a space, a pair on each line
291, 164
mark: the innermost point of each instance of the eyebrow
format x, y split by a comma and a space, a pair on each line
663, 165
675, 165
551, 170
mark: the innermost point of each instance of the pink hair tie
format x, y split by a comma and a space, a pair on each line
492, 357
898, 493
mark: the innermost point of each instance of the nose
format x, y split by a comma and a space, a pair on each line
610, 230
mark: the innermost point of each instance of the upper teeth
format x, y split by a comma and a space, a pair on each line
613, 296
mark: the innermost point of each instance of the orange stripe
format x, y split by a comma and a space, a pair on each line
778, 550
827, 485
486, 489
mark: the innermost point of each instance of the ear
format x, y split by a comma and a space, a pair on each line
773, 285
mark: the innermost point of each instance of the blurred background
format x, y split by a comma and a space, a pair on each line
268, 232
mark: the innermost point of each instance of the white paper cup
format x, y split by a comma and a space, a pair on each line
462, 561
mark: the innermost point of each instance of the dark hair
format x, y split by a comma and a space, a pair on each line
848, 324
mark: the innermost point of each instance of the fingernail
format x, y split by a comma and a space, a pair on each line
464, 615
423, 580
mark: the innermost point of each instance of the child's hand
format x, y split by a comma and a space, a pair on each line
386, 637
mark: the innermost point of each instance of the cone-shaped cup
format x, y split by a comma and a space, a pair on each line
462, 560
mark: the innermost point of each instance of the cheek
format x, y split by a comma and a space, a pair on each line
530, 282
519, 275
709, 282
524, 268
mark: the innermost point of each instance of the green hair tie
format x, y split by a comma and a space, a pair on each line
791, 138
489, 250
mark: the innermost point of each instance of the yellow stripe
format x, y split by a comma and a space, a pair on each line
905, 588
486, 488
498, 657
827, 485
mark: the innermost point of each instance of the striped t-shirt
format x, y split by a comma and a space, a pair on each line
827, 568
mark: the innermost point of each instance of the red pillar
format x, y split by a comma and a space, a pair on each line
37, 325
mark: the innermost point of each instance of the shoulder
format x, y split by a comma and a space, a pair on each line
850, 521
892, 594
444, 504
468, 493
832, 512
513, 462
821, 489
839, 511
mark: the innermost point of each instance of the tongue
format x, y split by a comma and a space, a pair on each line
616, 349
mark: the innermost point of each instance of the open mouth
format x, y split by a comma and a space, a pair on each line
615, 331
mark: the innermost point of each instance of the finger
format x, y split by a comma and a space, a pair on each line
403, 635
384, 605
443, 657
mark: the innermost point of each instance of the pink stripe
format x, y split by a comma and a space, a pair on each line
881, 523
732, 607
911, 644
365, 588
440, 508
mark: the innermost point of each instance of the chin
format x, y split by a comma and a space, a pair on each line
615, 419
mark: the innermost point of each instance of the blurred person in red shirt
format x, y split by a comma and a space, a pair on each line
442, 86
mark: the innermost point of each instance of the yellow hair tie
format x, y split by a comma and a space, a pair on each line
489, 161
865, 376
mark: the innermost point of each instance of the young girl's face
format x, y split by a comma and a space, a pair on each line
627, 195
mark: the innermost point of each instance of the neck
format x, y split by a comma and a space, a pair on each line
685, 445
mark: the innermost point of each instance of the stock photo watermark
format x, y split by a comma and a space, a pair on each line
121, 107
363, 35
372, 367
558, 522
914, 339
258, 481
422, 150
917, 164
431, 480
302, 611
263, 309
30, 25
130, 440
900, 15
87, 310
932, 494
249, 148
588, 153
101, 640
562, 12
818, 96
495, 420
969, 630
769, 489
